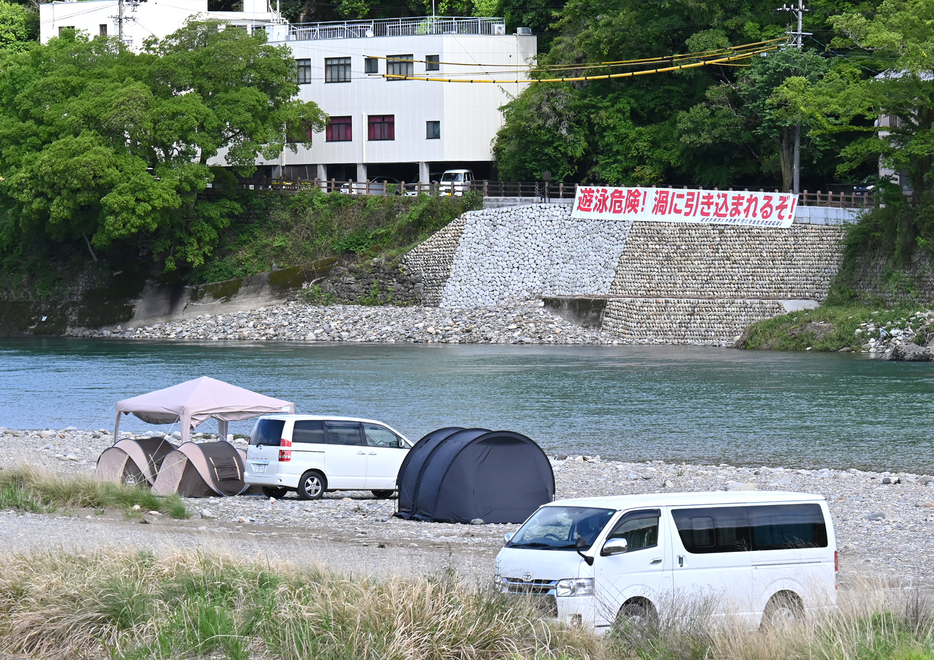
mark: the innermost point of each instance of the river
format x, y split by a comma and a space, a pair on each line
635, 403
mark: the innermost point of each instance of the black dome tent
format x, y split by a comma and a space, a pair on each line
458, 475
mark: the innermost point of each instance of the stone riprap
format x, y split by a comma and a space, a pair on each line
518, 323
431, 261
884, 521
520, 252
715, 321
714, 261
665, 282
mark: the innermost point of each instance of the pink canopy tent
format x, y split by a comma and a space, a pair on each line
196, 401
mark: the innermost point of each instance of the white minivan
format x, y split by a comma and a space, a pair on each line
311, 454
763, 557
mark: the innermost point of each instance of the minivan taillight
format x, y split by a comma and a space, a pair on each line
836, 561
285, 455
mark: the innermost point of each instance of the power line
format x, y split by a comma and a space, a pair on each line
608, 76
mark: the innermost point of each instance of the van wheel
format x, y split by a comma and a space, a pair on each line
312, 485
784, 610
382, 494
274, 492
637, 614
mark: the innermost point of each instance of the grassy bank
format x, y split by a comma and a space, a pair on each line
27, 489
274, 230
284, 230
192, 605
827, 328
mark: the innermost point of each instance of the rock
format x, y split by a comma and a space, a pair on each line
909, 352
477, 521
205, 513
878, 515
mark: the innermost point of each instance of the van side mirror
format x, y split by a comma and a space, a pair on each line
614, 547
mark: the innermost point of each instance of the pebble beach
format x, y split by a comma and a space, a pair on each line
884, 521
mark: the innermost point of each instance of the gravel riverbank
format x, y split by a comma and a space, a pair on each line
884, 522
522, 322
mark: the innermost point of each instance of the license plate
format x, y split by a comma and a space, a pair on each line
259, 468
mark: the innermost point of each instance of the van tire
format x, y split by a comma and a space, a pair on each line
275, 492
784, 609
637, 614
312, 485
382, 494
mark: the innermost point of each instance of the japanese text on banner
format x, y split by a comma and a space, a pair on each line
733, 207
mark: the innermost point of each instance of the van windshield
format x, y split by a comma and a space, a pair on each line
559, 527
451, 176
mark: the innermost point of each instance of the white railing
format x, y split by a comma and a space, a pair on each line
397, 27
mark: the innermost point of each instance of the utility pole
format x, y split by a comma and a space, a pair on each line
122, 18
799, 42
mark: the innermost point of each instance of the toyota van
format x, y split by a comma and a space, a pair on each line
763, 557
311, 454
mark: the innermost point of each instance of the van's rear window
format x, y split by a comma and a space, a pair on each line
787, 526
267, 432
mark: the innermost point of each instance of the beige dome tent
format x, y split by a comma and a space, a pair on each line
195, 401
201, 469
133, 461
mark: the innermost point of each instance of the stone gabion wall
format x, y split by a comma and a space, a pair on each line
525, 251
430, 262
717, 321
690, 261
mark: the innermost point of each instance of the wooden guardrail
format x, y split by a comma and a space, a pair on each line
521, 190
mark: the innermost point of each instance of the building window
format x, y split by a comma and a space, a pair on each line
336, 69
102, 30
382, 127
304, 71
433, 130
370, 65
339, 129
259, 29
432, 63
399, 65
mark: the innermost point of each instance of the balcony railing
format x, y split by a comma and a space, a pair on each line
531, 191
397, 27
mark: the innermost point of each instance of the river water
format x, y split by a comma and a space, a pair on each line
635, 403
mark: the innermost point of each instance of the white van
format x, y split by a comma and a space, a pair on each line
455, 182
311, 454
764, 557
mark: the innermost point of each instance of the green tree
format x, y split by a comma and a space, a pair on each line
18, 26
680, 127
893, 110
114, 149
756, 113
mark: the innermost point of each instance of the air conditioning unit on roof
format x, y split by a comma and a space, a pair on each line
524, 31
499, 29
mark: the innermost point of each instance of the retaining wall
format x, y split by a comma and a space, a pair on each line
663, 282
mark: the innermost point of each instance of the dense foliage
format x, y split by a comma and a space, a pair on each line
720, 125
279, 231
110, 148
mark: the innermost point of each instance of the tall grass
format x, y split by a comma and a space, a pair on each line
29, 489
197, 605
192, 604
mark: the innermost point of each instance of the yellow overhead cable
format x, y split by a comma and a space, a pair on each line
591, 65
628, 74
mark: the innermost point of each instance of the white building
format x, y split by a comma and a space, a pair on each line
410, 130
